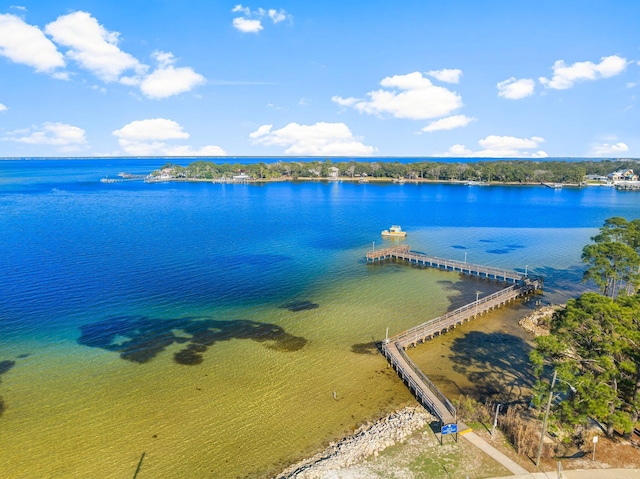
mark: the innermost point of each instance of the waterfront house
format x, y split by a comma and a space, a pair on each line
622, 175
242, 177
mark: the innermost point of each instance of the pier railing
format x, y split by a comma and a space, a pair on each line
425, 391
394, 348
404, 253
452, 318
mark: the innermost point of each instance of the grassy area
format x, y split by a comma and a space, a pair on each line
422, 456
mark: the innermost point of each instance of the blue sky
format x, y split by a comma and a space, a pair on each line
458, 78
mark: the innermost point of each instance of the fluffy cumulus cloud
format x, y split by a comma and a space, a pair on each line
61, 135
514, 89
447, 75
26, 44
321, 138
564, 76
246, 25
251, 20
494, 146
3, 107
94, 49
406, 96
92, 46
606, 149
148, 138
168, 80
448, 123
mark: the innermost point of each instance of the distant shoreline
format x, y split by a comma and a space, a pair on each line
552, 174
346, 179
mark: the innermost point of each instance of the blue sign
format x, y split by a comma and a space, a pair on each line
449, 429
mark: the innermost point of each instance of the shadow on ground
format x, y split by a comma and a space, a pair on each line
140, 339
463, 292
496, 363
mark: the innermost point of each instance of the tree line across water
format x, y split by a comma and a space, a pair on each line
506, 171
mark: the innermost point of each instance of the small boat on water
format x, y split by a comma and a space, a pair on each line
394, 231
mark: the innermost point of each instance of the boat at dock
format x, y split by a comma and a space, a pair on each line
476, 183
394, 231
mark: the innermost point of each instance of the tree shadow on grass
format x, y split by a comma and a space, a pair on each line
496, 363
139, 339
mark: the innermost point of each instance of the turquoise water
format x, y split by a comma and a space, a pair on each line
207, 325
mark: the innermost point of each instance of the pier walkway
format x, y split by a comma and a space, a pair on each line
394, 348
404, 253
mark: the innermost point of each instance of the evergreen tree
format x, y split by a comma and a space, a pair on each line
613, 258
591, 349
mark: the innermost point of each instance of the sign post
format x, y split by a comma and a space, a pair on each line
595, 441
448, 429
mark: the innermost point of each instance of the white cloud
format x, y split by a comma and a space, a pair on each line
447, 75
407, 96
147, 138
251, 22
158, 148
3, 107
494, 146
246, 25
514, 89
26, 44
168, 80
241, 9
277, 16
152, 129
448, 123
344, 101
95, 49
606, 149
92, 46
261, 131
66, 137
564, 76
318, 139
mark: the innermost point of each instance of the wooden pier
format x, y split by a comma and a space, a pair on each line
393, 348
404, 253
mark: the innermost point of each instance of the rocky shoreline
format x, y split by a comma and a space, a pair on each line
537, 322
367, 440
371, 438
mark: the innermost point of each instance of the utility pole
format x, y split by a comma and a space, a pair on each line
495, 419
546, 416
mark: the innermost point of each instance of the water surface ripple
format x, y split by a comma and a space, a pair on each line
208, 325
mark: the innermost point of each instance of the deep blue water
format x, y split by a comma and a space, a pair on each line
202, 274
75, 250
